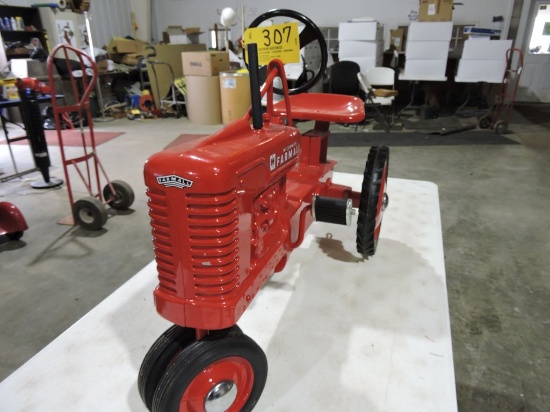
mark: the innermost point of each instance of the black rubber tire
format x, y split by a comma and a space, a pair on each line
376, 169
485, 122
308, 35
123, 197
89, 213
157, 359
204, 355
162, 353
501, 127
15, 235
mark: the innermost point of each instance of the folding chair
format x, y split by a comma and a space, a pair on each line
375, 98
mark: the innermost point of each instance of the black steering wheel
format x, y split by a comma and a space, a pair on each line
309, 34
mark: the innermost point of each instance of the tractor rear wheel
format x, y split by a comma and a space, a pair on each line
374, 200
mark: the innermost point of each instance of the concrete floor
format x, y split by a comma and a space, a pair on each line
494, 207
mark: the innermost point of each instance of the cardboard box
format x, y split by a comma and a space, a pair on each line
203, 100
397, 39
481, 32
435, 10
427, 50
121, 45
363, 30
180, 35
426, 31
175, 35
131, 59
204, 63
356, 48
235, 95
171, 55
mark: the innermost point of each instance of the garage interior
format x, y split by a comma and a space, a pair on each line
493, 198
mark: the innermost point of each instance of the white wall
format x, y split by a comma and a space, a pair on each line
391, 13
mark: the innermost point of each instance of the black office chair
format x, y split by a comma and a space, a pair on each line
343, 78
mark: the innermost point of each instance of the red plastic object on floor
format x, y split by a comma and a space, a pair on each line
226, 213
12, 222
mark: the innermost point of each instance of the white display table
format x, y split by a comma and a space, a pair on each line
339, 333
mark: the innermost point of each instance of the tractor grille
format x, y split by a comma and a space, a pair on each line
213, 236
158, 211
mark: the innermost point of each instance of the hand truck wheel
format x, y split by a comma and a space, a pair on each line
89, 213
123, 195
501, 127
485, 122
373, 201
218, 373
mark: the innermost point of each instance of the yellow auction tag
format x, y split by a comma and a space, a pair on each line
280, 41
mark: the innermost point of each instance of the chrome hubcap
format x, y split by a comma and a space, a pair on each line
385, 201
86, 216
221, 397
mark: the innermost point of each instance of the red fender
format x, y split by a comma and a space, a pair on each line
11, 219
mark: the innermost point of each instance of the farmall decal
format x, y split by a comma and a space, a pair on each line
174, 181
290, 152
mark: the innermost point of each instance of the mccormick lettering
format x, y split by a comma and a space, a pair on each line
174, 181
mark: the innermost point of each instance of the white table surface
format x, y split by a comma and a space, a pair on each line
340, 333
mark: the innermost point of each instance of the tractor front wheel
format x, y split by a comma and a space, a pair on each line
224, 372
162, 354
155, 363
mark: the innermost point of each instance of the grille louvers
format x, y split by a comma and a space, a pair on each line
158, 211
213, 235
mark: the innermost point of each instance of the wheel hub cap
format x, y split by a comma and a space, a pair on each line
86, 216
385, 202
221, 397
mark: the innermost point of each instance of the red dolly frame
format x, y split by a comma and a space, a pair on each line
89, 212
500, 113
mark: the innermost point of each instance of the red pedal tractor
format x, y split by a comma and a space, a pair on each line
225, 213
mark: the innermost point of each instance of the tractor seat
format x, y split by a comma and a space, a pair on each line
323, 107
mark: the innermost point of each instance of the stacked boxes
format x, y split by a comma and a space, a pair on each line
483, 61
427, 50
361, 42
435, 10
201, 71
